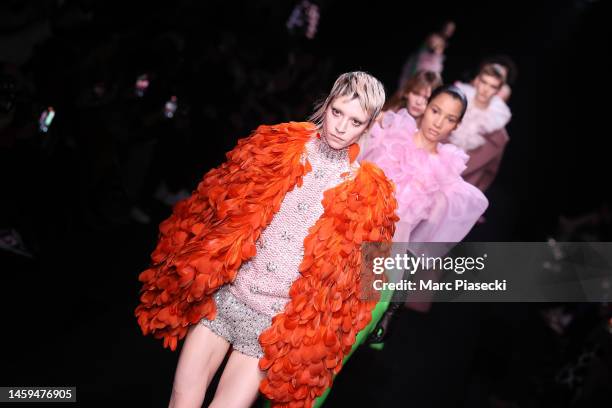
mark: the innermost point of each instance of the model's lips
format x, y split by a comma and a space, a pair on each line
433, 132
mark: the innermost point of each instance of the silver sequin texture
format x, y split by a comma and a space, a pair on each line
263, 286
319, 173
286, 236
277, 306
254, 289
237, 323
276, 264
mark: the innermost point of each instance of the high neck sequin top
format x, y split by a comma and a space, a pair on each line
263, 282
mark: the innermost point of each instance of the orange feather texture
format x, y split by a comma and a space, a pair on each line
203, 243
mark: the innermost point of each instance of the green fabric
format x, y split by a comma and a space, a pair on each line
377, 313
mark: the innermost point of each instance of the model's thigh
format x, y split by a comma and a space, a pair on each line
202, 353
239, 384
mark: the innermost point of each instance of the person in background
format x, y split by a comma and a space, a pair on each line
435, 204
414, 95
482, 133
412, 98
509, 71
430, 56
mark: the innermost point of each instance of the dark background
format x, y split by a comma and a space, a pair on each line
68, 303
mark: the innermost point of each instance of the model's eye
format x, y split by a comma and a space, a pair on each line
452, 120
356, 123
335, 112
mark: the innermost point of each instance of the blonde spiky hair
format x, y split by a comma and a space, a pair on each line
357, 84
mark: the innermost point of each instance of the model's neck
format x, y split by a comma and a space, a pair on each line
328, 152
481, 105
422, 142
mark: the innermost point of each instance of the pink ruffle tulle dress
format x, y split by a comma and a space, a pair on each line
434, 203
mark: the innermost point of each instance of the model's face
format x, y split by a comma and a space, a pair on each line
441, 117
417, 101
486, 87
345, 122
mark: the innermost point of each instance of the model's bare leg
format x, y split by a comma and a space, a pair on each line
239, 384
201, 355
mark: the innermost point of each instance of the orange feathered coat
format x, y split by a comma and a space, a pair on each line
208, 236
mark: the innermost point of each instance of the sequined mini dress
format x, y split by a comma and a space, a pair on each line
260, 291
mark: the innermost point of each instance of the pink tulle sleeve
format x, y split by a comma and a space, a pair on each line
454, 213
455, 210
394, 129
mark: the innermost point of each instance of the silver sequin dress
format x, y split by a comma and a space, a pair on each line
261, 289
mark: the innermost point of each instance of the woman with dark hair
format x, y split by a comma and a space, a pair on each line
427, 173
434, 203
